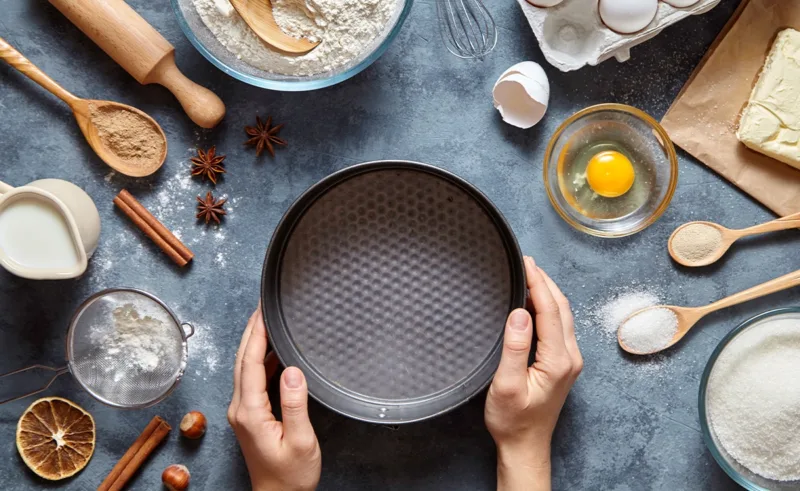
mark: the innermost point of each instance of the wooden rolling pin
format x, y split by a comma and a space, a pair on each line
144, 53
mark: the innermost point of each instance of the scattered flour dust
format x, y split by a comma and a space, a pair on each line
203, 353
347, 30
753, 398
172, 201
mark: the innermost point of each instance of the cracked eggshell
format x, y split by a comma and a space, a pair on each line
522, 94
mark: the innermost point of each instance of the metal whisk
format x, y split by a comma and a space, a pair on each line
467, 27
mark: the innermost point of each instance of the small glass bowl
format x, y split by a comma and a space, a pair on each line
629, 126
743, 476
207, 44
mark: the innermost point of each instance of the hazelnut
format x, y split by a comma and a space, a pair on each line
176, 477
193, 425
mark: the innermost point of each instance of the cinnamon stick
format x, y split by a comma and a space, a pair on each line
151, 437
158, 233
163, 231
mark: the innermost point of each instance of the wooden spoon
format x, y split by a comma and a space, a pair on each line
730, 236
81, 108
258, 15
689, 316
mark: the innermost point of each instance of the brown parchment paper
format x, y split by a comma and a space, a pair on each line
703, 118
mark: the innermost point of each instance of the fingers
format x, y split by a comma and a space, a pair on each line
549, 330
254, 376
297, 429
512, 373
271, 366
567, 322
237, 367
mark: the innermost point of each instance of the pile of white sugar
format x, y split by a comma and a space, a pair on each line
346, 29
753, 399
650, 330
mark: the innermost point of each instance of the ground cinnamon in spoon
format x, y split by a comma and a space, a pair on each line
128, 135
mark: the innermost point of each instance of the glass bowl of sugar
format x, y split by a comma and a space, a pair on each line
353, 34
750, 402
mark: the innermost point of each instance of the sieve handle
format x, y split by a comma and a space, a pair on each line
188, 329
58, 371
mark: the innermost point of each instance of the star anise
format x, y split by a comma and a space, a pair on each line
208, 164
264, 135
209, 208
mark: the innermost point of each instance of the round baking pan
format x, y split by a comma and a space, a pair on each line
388, 283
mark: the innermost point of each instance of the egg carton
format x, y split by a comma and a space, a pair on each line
571, 34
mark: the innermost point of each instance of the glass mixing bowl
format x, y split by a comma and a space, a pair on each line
208, 45
736, 471
632, 129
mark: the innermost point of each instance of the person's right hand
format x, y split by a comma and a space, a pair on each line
524, 403
280, 456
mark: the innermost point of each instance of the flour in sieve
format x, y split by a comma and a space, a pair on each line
137, 341
346, 28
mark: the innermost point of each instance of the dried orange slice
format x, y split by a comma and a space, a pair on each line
55, 438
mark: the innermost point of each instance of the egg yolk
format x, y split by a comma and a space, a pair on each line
610, 174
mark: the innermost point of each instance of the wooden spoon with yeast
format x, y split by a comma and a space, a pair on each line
726, 239
82, 109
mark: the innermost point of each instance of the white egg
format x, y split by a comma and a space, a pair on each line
522, 94
681, 3
627, 16
544, 3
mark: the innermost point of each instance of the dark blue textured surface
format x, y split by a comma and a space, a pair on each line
626, 425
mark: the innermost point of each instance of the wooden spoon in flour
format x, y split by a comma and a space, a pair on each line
127, 139
258, 15
696, 244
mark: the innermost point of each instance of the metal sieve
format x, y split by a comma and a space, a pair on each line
124, 347
388, 284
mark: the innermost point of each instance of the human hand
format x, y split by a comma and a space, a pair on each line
280, 456
523, 403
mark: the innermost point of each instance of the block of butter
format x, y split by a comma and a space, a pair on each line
770, 122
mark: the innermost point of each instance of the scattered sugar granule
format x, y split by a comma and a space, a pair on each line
611, 315
753, 398
649, 331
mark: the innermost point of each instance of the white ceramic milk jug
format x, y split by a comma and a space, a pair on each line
48, 229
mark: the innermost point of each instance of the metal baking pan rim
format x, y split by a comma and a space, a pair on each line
318, 385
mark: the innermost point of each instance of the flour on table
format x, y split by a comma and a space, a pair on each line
346, 28
203, 352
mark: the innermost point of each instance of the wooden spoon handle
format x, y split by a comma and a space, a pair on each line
787, 222
772, 286
15, 59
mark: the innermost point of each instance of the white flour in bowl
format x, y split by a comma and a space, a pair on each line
346, 28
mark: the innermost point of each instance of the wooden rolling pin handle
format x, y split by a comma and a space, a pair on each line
200, 104
15, 59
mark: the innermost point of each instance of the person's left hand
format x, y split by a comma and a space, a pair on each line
280, 456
